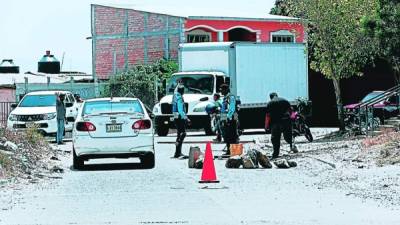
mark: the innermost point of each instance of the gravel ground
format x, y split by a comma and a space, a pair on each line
331, 185
349, 165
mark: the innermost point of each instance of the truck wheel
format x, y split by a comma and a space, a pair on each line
162, 131
148, 161
77, 162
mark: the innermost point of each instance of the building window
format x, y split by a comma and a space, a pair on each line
198, 36
193, 38
282, 36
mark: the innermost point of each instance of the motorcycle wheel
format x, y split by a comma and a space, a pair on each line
308, 134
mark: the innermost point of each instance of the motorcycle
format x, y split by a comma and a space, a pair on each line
299, 124
353, 122
214, 112
300, 127
217, 121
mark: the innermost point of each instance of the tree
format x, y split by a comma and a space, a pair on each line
142, 81
282, 8
384, 26
338, 47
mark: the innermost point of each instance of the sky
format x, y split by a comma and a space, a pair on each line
29, 28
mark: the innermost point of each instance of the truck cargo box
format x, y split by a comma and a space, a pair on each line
255, 69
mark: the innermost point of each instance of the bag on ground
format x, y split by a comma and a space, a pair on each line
234, 162
263, 160
194, 155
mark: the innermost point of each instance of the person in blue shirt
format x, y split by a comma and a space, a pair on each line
230, 117
180, 118
61, 117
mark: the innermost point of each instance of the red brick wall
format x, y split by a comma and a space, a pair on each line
124, 37
109, 20
136, 51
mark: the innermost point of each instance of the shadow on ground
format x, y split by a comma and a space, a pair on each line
111, 166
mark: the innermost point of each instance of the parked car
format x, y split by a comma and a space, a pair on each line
384, 109
113, 128
38, 109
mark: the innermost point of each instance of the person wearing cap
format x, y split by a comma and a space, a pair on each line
229, 116
180, 118
278, 114
61, 119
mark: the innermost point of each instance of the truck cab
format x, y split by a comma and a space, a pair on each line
200, 86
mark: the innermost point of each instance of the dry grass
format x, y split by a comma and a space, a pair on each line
31, 153
388, 146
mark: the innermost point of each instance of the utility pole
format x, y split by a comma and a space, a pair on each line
156, 88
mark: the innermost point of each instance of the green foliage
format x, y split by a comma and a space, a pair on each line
338, 46
284, 8
383, 26
142, 81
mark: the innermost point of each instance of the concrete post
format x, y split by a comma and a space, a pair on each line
26, 84
71, 82
220, 36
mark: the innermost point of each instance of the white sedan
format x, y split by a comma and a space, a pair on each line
113, 128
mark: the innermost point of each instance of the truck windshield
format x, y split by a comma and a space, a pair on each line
194, 83
38, 101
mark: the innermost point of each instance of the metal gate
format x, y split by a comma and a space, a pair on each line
5, 109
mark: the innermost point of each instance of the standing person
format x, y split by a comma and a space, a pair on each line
61, 112
218, 106
180, 118
278, 111
229, 115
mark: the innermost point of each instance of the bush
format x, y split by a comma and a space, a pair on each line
5, 162
141, 81
33, 136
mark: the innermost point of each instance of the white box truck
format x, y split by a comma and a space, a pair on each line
253, 70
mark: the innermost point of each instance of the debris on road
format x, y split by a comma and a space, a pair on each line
282, 164
285, 164
24, 155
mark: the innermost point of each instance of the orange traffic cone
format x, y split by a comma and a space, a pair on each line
208, 174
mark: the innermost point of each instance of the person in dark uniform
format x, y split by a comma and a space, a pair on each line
180, 118
229, 117
278, 111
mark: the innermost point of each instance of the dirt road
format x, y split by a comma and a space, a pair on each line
312, 193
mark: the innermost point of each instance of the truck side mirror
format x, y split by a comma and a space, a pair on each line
13, 105
204, 99
151, 115
228, 81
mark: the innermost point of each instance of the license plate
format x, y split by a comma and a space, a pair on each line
110, 128
30, 125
